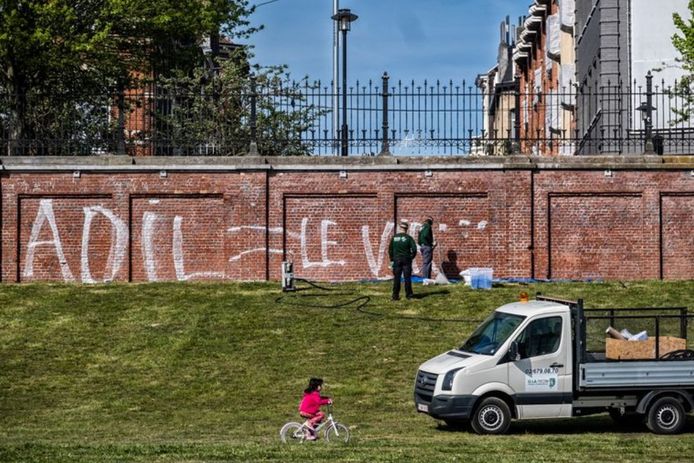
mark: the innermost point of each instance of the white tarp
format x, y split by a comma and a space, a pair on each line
557, 121
553, 123
567, 10
553, 36
567, 78
567, 149
524, 106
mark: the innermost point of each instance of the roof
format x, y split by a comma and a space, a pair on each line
533, 308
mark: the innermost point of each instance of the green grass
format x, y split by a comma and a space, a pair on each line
210, 372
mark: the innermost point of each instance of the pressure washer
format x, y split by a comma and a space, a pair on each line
288, 276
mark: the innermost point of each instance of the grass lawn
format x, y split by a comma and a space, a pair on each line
210, 372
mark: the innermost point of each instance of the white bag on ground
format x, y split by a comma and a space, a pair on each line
441, 279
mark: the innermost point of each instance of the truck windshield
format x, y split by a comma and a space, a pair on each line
492, 333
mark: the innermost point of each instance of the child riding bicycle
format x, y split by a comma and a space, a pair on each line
309, 407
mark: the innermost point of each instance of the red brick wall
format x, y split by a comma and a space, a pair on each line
180, 238
588, 225
678, 235
595, 235
239, 224
43, 257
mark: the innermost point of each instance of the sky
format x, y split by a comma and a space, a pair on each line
410, 39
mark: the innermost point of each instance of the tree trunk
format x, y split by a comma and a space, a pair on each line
19, 127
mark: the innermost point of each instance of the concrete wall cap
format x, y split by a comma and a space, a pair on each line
354, 163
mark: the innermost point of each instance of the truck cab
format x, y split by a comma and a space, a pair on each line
528, 360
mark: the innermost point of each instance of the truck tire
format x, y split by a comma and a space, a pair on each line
666, 416
492, 416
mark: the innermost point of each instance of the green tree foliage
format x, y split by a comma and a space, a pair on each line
684, 43
63, 60
225, 109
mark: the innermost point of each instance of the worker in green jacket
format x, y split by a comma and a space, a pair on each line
402, 251
426, 246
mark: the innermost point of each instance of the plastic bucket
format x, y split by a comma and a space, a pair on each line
481, 278
466, 277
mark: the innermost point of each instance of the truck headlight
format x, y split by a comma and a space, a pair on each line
448, 379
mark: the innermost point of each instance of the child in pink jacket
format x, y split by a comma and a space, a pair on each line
309, 407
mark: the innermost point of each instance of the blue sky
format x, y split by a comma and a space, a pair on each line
411, 39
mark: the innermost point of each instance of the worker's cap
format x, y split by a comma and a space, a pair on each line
404, 224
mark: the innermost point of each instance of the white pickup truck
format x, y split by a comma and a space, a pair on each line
529, 360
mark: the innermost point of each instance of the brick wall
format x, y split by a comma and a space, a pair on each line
190, 220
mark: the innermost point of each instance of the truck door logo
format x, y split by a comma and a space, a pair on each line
540, 381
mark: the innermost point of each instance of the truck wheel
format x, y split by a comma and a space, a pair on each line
492, 416
666, 416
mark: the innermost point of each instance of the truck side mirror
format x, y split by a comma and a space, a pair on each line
512, 354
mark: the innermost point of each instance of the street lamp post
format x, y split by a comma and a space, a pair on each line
344, 18
336, 75
647, 109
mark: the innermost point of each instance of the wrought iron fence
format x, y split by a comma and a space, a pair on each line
383, 116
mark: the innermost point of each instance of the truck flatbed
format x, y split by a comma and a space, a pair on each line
628, 375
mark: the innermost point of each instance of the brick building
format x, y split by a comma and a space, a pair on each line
545, 68
135, 109
581, 72
499, 89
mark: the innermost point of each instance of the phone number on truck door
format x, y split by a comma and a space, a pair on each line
541, 371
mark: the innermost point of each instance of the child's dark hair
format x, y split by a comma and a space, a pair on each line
313, 384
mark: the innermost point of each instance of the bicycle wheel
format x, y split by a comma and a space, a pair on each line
292, 433
337, 433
